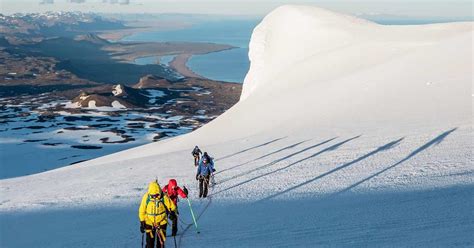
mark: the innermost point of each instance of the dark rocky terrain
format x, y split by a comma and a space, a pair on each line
61, 55
67, 95
53, 47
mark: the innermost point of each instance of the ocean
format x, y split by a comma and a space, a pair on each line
229, 65
164, 60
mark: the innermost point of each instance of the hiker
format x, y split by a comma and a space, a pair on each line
153, 215
203, 174
211, 161
173, 190
212, 181
196, 153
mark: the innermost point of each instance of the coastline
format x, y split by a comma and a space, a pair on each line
179, 64
129, 52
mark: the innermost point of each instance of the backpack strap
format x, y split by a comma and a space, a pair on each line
162, 200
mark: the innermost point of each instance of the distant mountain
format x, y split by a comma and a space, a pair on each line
66, 24
93, 38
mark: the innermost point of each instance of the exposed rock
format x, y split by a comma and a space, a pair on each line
117, 96
93, 38
151, 81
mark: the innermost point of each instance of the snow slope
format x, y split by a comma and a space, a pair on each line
348, 133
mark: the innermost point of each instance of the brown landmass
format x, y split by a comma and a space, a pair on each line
141, 26
30, 70
133, 50
36, 63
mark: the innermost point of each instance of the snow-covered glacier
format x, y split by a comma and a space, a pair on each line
348, 133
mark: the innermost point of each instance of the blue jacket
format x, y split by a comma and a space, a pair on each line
205, 169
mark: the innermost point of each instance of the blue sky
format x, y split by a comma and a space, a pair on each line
415, 8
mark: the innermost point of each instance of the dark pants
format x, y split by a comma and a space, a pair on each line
203, 185
150, 242
174, 225
196, 160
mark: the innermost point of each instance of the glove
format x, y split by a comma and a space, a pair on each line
185, 190
142, 226
197, 177
213, 170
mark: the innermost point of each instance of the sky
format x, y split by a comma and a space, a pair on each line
457, 9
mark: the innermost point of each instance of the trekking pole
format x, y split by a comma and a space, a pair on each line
160, 237
175, 245
213, 180
192, 214
143, 234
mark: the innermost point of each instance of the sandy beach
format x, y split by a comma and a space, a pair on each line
117, 35
179, 64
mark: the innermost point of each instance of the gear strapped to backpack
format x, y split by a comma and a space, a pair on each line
161, 200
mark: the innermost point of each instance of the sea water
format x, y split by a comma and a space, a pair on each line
162, 60
229, 65
146, 60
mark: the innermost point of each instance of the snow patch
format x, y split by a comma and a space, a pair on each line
154, 95
91, 104
72, 105
116, 104
118, 89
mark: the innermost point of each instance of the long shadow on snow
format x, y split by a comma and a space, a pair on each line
264, 156
379, 149
274, 162
430, 143
331, 148
438, 217
250, 148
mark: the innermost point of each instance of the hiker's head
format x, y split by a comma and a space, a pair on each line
173, 184
204, 160
205, 154
154, 189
